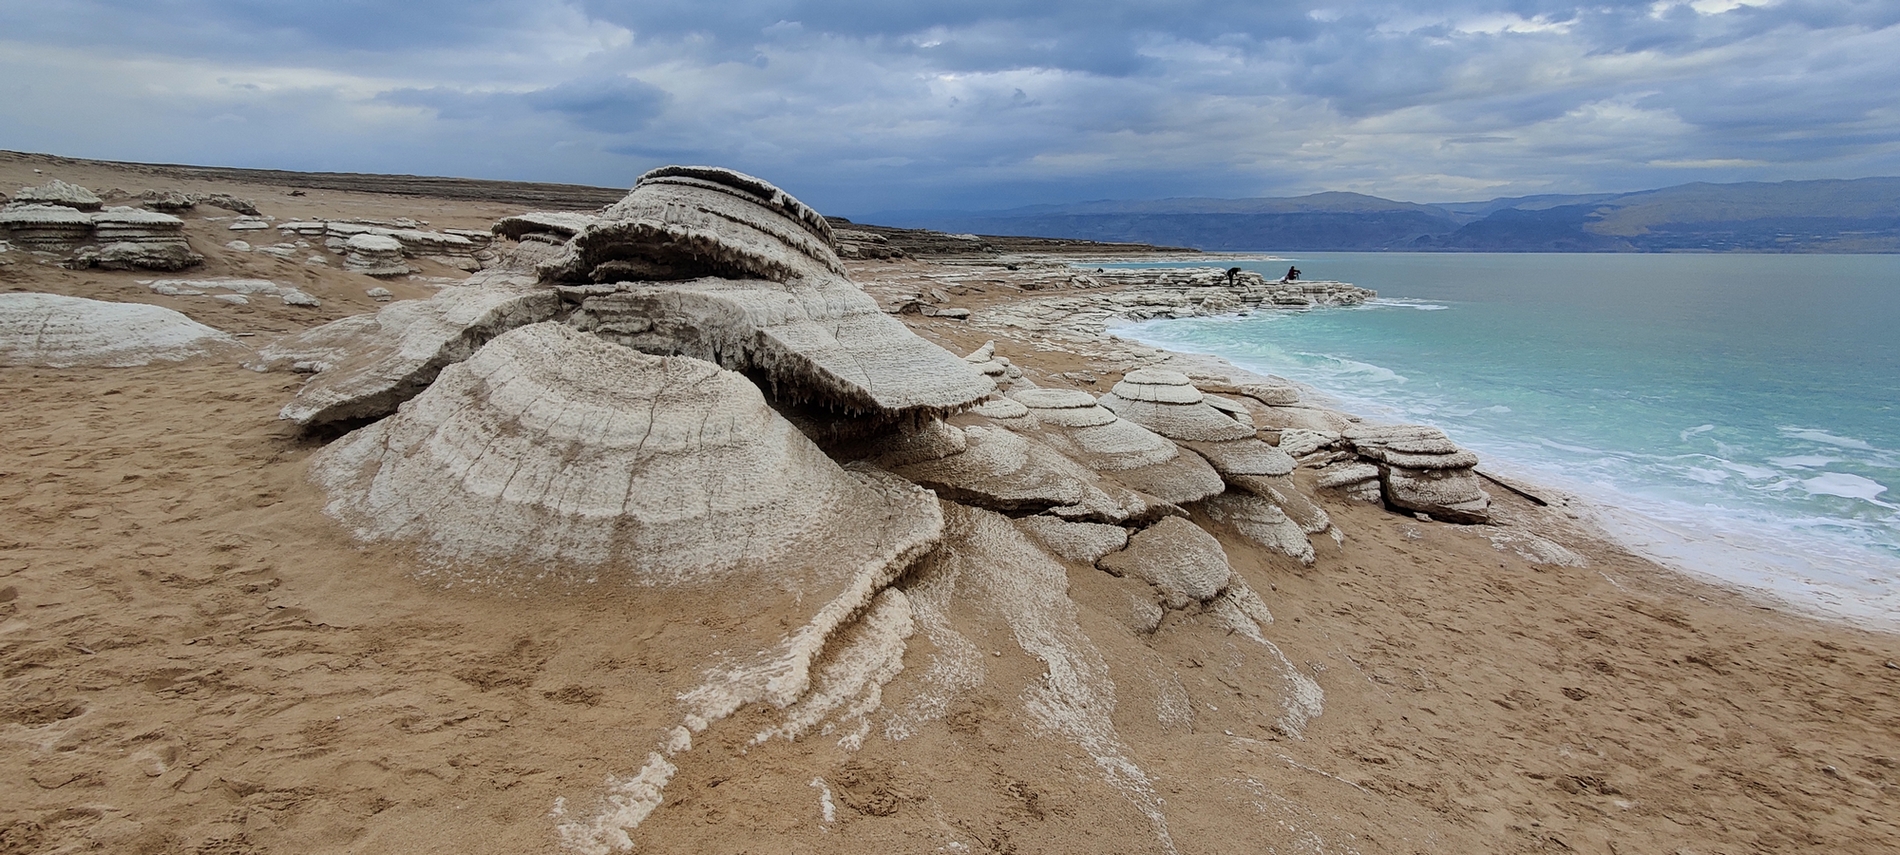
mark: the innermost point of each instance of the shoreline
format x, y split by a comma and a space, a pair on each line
1698, 548
200, 657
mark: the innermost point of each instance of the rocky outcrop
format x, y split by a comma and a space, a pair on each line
729, 269
374, 255
45, 228
131, 238
687, 222
1180, 559
552, 450
1422, 470
60, 193
999, 470
1072, 422
62, 332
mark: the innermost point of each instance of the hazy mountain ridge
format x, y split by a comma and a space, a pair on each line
1857, 215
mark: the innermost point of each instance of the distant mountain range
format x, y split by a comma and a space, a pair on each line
1860, 215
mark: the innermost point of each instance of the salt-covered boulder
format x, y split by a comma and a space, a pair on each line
1073, 423
62, 332
1081, 542
1184, 563
1262, 522
997, 368
1002, 471
1422, 470
374, 255
550, 451
1357, 479
367, 365
1167, 403
57, 192
137, 239
45, 228
724, 267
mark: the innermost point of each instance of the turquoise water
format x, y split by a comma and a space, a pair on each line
1736, 415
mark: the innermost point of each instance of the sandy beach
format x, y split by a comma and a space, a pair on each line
197, 658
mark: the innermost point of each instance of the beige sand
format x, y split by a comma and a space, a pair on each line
197, 659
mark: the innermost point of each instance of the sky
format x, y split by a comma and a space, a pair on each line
860, 106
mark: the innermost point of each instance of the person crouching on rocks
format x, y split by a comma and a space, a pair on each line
1292, 274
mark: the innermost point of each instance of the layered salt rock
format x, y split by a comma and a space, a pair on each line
137, 239
735, 271
1262, 522
1273, 391
367, 365
1180, 559
1002, 471
1357, 479
1422, 470
1299, 442
1081, 542
61, 332
45, 228
686, 222
1167, 403
374, 255
57, 192
558, 225
550, 454
550, 448
1073, 423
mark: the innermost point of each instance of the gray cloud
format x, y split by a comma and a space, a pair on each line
861, 106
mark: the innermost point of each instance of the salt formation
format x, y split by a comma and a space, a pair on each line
133, 238
1183, 562
45, 228
1422, 470
638, 411
1073, 423
557, 226
732, 270
57, 192
459, 248
374, 255
1357, 479
997, 469
551, 448
369, 364
62, 332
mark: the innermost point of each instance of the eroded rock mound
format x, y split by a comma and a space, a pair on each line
131, 238
1422, 470
552, 450
725, 267
1072, 422
62, 332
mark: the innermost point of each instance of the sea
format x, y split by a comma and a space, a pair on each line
1732, 416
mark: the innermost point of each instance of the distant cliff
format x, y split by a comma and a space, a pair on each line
1861, 215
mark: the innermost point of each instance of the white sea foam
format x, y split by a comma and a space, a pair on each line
1847, 486
1821, 436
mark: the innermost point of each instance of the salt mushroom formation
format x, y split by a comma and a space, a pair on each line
713, 264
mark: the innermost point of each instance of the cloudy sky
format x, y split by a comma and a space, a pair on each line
860, 106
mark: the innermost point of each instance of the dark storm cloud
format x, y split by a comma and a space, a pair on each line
864, 105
